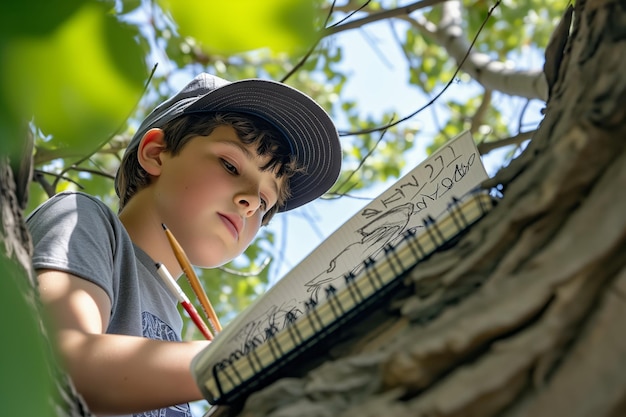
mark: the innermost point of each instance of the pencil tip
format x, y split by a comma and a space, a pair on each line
163, 226
158, 265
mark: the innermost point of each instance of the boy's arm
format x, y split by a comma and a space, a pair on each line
116, 374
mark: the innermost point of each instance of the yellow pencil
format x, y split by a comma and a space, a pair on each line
194, 281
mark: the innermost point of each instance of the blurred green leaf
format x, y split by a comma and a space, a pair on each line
244, 25
25, 380
35, 17
80, 82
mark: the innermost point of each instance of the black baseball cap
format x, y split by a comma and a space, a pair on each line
308, 129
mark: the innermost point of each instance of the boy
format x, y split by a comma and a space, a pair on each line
213, 163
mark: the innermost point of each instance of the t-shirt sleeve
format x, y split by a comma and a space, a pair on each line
75, 233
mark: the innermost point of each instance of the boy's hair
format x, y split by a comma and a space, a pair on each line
251, 130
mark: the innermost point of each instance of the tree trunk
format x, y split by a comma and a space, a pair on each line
525, 315
31, 379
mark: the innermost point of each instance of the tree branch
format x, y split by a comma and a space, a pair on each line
436, 97
385, 14
492, 74
486, 147
479, 116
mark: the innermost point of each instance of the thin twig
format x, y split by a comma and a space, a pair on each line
361, 163
324, 33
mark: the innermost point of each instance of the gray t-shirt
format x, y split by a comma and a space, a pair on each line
78, 234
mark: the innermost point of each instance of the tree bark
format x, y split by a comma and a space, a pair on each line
525, 315
19, 282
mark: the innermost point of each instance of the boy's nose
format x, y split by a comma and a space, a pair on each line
248, 203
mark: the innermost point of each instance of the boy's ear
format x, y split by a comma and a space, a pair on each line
151, 146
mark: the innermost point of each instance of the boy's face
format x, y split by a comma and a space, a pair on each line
213, 196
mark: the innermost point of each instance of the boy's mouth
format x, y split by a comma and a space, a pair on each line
232, 223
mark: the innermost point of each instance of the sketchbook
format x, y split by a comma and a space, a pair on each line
346, 274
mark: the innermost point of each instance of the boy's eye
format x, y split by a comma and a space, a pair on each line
263, 205
229, 167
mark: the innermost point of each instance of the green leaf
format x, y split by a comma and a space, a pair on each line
244, 25
25, 380
78, 89
38, 17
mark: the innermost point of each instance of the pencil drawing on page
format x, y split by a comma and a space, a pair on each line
384, 229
